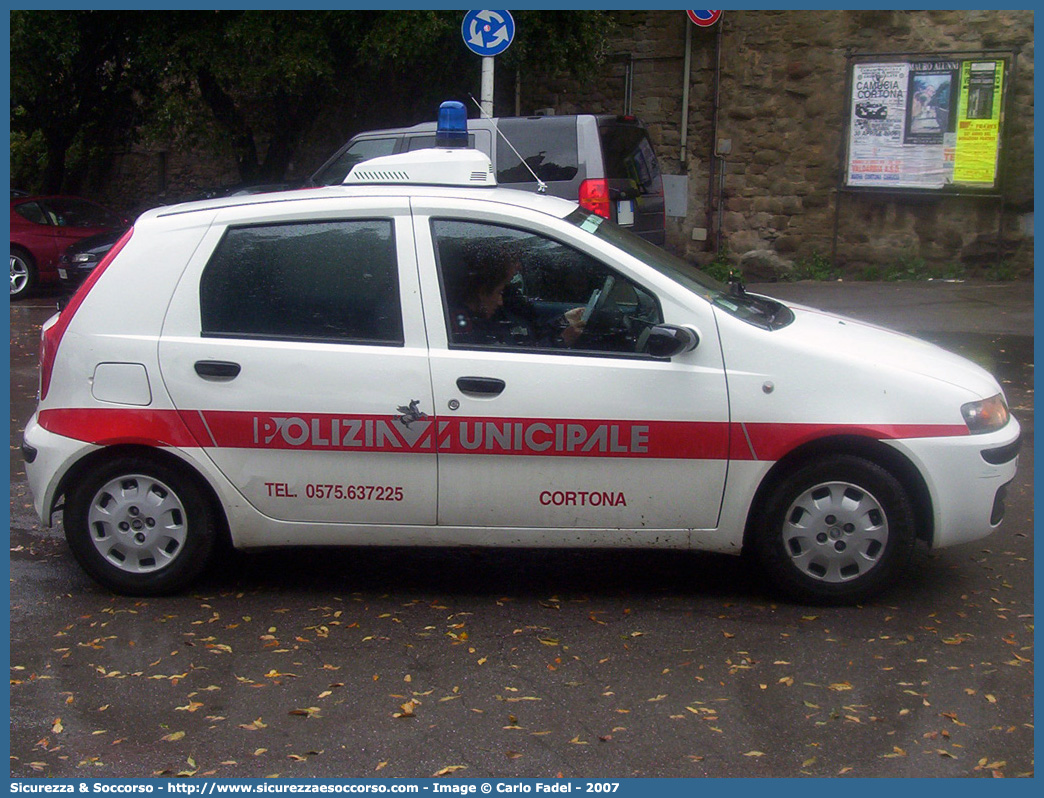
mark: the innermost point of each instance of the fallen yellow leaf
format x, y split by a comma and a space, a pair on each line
449, 769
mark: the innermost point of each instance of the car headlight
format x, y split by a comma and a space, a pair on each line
986, 415
83, 257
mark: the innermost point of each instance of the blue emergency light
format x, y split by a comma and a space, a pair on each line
452, 130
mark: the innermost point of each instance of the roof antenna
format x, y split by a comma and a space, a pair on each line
541, 185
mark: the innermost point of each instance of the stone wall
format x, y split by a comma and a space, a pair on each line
782, 108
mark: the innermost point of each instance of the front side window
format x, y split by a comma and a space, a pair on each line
316, 281
514, 289
362, 150
426, 142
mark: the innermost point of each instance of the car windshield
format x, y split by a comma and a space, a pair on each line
757, 310
66, 212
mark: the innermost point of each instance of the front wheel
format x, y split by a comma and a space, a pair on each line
837, 530
139, 527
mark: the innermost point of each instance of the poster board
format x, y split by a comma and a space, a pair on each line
926, 123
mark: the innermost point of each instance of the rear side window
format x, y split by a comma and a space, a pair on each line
320, 281
629, 156
547, 145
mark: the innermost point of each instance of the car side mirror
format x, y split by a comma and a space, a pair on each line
667, 340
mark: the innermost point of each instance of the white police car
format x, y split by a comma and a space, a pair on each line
421, 357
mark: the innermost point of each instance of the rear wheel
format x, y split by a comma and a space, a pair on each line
23, 273
139, 527
837, 530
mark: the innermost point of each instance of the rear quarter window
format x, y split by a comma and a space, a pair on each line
546, 144
323, 281
32, 212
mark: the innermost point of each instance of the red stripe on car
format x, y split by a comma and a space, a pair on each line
682, 440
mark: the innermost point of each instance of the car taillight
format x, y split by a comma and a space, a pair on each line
52, 336
594, 196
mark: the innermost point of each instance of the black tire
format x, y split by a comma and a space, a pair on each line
23, 273
837, 530
139, 526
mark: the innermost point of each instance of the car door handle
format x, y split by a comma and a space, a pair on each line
482, 385
217, 368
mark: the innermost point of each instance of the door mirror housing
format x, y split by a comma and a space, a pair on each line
668, 340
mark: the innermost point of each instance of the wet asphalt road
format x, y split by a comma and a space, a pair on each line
412, 663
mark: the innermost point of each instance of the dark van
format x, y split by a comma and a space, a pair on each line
604, 162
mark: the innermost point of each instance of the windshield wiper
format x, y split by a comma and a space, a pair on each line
736, 287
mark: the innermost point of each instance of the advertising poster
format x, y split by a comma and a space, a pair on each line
930, 123
875, 150
925, 123
978, 125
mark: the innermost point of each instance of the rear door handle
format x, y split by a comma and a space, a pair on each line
222, 369
487, 386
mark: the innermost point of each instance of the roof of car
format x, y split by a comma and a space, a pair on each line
36, 197
484, 123
553, 206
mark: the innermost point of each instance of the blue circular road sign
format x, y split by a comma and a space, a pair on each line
488, 32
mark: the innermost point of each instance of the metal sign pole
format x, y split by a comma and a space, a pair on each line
486, 94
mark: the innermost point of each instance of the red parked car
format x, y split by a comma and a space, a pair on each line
42, 228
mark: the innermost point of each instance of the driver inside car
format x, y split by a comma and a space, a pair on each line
488, 307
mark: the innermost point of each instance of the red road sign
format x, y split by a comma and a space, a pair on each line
704, 18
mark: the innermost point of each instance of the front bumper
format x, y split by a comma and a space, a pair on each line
966, 478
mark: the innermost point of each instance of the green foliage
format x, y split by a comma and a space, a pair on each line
1001, 272
913, 268
253, 83
814, 267
950, 271
28, 159
75, 78
720, 268
576, 42
910, 267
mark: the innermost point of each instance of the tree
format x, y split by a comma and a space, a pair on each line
264, 77
74, 80
253, 83
257, 77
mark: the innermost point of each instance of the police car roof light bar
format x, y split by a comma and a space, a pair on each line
452, 129
541, 185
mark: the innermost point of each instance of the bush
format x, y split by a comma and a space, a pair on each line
719, 268
28, 160
814, 267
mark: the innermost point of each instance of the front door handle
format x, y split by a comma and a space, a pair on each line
487, 386
221, 369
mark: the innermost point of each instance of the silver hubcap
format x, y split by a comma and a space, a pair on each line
835, 532
137, 524
19, 274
